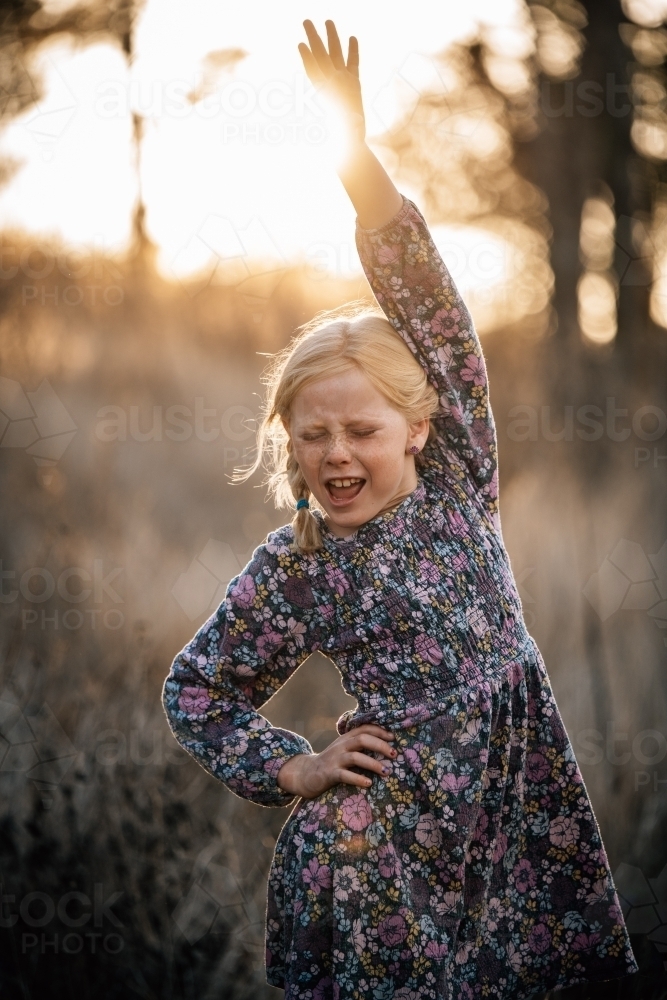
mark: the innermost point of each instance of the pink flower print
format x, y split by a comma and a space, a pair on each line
194, 700
457, 525
238, 743
446, 322
494, 913
336, 580
480, 829
259, 723
457, 413
449, 903
436, 949
316, 815
444, 356
323, 989
466, 991
317, 876
454, 783
514, 957
299, 592
460, 562
427, 647
477, 621
563, 831
243, 592
539, 939
463, 953
584, 942
345, 881
393, 930
429, 570
273, 765
356, 812
413, 760
598, 891
296, 631
474, 370
387, 861
537, 766
268, 642
516, 675
389, 253
500, 847
524, 875
358, 936
427, 831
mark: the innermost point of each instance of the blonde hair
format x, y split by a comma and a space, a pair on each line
332, 343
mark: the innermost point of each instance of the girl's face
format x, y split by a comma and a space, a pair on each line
353, 448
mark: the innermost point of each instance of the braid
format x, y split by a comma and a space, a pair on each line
306, 529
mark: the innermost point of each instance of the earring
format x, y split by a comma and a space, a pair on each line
414, 450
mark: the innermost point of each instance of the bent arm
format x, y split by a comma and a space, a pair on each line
238, 659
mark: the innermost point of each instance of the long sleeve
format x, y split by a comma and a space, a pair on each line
417, 294
263, 630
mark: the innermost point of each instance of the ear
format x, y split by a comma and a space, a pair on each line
418, 434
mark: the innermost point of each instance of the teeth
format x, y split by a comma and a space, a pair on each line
344, 482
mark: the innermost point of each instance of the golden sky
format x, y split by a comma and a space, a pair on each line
237, 154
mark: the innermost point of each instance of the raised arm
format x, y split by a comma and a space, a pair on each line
416, 292
371, 190
238, 659
411, 281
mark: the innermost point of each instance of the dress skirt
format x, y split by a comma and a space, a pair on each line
475, 869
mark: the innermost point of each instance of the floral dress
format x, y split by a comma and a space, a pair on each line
475, 868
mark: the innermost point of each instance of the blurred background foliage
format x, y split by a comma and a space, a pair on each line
505, 136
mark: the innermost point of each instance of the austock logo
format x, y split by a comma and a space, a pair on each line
630, 580
35, 745
644, 903
217, 898
248, 259
203, 586
36, 422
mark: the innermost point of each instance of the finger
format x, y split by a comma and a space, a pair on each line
367, 742
318, 49
335, 50
346, 777
353, 56
354, 759
374, 730
313, 71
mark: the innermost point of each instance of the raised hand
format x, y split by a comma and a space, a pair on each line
337, 78
308, 775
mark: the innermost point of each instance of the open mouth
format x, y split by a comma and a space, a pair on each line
344, 490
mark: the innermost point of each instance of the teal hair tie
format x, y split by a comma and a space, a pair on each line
300, 504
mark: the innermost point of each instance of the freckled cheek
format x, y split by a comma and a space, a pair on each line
383, 463
310, 458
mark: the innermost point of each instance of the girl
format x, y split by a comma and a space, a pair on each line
445, 845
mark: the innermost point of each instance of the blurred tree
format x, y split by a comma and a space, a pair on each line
26, 24
552, 131
602, 142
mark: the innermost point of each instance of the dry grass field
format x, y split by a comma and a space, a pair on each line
127, 871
